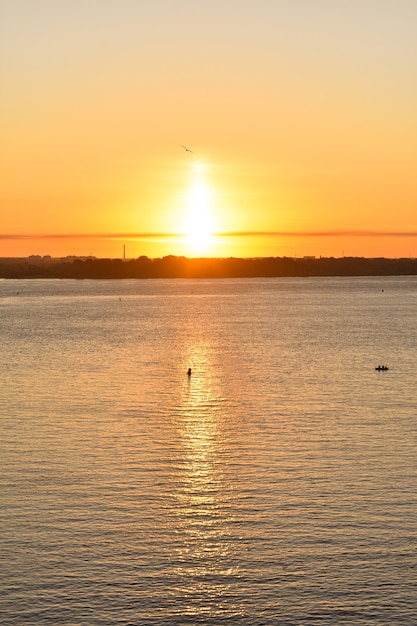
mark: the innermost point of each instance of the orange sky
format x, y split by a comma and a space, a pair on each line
301, 117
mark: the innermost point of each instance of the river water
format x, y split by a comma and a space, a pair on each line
275, 485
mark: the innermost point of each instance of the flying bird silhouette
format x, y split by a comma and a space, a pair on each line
187, 149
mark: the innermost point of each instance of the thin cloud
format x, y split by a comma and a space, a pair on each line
234, 233
257, 233
320, 233
38, 236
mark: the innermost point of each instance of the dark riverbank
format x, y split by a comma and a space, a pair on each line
182, 267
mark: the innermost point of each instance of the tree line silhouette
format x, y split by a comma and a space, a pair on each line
183, 267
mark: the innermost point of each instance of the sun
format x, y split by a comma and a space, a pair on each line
198, 226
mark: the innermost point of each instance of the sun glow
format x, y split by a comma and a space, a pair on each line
198, 226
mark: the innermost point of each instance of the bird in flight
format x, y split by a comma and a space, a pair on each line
187, 149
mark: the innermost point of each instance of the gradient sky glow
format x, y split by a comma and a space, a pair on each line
301, 115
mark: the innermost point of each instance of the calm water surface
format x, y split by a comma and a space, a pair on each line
276, 485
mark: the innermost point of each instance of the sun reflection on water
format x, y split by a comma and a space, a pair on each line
203, 509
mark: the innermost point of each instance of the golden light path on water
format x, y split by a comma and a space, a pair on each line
203, 498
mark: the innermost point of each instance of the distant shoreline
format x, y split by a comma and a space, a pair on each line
183, 267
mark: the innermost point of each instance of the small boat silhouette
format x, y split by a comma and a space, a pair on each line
381, 368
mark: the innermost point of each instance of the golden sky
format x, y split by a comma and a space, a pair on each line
301, 118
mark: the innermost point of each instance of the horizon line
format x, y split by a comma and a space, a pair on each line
237, 233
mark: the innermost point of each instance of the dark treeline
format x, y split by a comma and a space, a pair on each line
182, 267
